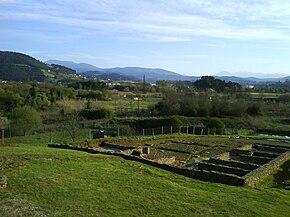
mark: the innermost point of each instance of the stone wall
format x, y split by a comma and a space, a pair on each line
224, 156
246, 147
254, 159
238, 152
265, 154
231, 163
252, 178
212, 176
222, 168
272, 149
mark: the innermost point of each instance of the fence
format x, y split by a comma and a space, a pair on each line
116, 132
49, 134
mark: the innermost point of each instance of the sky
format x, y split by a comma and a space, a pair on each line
190, 37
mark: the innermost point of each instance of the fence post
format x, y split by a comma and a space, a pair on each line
171, 129
193, 130
186, 129
162, 130
89, 134
152, 131
118, 132
2, 136
143, 132
179, 130
201, 131
50, 138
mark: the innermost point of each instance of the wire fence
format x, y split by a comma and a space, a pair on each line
80, 134
117, 132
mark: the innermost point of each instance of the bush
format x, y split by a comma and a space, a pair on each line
254, 109
24, 119
154, 122
284, 98
96, 114
216, 123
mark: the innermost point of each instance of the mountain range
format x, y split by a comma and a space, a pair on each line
137, 73
132, 73
245, 74
21, 67
78, 67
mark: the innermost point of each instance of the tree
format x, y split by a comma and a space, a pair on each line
70, 122
24, 119
217, 124
9, 100
218, 85
3, 122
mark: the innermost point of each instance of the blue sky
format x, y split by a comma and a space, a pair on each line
193, 37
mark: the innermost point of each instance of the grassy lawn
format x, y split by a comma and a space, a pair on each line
60, 136
50, 182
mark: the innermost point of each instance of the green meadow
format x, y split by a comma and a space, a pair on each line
52, 182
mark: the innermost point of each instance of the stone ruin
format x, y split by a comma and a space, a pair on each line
245, 165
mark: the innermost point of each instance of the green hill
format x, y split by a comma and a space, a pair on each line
51, 182
21, 67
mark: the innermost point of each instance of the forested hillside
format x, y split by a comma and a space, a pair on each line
20, 67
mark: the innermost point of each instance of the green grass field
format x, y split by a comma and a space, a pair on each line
51, 182
117, 106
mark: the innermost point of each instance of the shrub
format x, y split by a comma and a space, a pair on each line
254, 109
96, 114
154, 122
24, 119
284, 98
216, 123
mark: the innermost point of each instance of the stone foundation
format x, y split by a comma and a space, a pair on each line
241, 166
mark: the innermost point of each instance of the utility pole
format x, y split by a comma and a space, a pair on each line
144, 84
138, 105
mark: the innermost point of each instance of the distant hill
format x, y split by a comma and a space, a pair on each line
137, 73
151, 74
21, 67
285, 79
250, 75
78, 67
108, 76
243, 81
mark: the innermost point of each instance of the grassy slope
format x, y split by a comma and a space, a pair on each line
69, 183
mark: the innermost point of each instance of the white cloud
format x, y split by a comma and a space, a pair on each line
160, 20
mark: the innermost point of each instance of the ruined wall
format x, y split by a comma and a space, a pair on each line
231, 163
252, 178
254, 159
222, 168
223, 156
245, 147
272, 149
212, 176
238, 152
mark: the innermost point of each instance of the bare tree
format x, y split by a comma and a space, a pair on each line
70, 123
